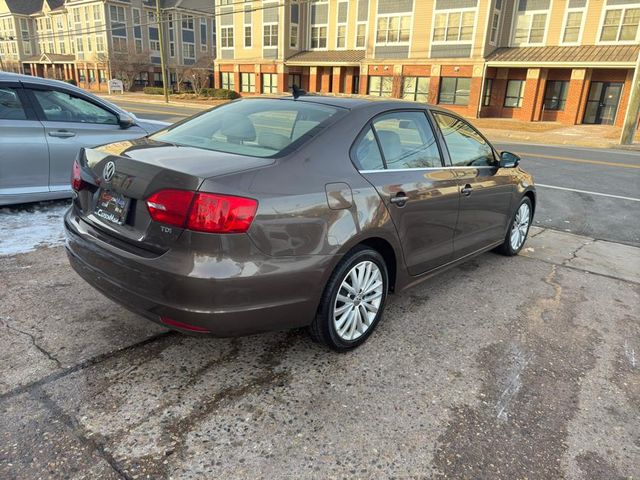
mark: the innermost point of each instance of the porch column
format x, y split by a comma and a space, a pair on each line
348, 80
313, 79
434, 84
282, 78
575, 94
336, 83
364, 79
531, 92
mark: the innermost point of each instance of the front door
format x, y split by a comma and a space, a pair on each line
485, 189
71, 122
399, 156
602, 103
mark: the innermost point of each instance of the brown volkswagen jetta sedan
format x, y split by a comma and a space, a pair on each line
265, 214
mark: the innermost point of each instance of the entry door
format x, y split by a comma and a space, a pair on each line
71, 122
602, 103
485, 189
399, 156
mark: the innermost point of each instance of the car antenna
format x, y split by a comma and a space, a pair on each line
297, 91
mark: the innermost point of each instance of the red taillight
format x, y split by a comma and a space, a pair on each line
170, 206
76, 177
202, 212
221, 213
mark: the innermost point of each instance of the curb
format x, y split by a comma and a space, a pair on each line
137, 99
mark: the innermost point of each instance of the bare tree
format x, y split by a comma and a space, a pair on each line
126, 66
199, 73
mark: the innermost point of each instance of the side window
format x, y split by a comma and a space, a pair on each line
366, 153
62, 107
466, 146
407, 140
10, 105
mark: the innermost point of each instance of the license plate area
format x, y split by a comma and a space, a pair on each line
112, 207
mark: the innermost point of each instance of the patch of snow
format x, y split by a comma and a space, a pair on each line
27, 227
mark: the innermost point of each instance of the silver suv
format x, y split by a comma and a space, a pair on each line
43, 125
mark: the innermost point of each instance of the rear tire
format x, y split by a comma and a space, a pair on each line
353, 300
518, 229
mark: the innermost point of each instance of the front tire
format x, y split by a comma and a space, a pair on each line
353, 300
518, 229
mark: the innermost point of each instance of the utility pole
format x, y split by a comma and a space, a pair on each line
161, 42
633, 109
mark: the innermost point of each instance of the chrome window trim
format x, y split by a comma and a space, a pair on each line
424, 168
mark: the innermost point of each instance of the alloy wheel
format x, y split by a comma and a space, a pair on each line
520, 226
358, 300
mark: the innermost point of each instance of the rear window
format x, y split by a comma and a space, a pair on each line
259, 128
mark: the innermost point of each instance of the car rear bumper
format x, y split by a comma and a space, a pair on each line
220, 296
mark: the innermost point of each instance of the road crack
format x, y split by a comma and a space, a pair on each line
50, 356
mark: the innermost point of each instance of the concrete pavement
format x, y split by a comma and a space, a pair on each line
523, 367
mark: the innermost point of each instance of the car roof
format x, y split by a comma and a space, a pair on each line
352, 103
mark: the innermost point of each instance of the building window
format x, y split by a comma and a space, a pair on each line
495, 26
203, 32
488, 87
361, 35
454, 26
189, 51
187, 22
100, 44
102, 76
393, 29
269, 83
247, 36
226, 80
530, 28
226, 37
380, 86
248, 82
79, 47
63, 49
81, 75
341, 36
515, 94
117, 14
416, 89
620, 24
97, 12
136, 16
454, 91
89, 49
114, 14
154, 45
555, 95
293, 35
318, 37
572, 26
270, 37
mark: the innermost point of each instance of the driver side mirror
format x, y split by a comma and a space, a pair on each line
125, 121
509, 160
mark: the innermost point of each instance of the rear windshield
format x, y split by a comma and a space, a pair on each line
259, 128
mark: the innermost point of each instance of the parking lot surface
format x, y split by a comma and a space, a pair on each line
502, 368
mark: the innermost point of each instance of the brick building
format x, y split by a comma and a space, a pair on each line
570, 61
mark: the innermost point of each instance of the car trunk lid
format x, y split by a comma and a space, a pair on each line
120, 177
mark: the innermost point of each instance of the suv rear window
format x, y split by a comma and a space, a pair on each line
259, 128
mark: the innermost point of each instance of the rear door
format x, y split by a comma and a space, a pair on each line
485, 189
24, 154
72, 121
399, 155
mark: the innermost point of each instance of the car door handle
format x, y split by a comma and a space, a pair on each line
466, 190
62, 134
399, 200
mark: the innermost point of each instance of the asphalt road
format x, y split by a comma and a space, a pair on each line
586, 191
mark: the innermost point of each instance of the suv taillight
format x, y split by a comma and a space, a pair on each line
202, 212
76, 177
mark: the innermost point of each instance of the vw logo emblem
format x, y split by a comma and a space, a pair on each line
109, 171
